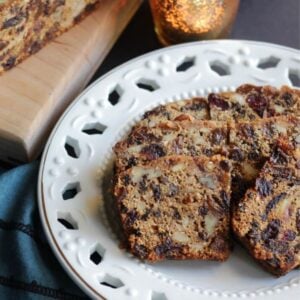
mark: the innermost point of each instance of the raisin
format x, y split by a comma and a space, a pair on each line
143, 184
153, 151
142, 136
274, 202
247, 131
247, 88
202, 211
236, 154
288, 99
14, 21
3, 44
264, 187
126, 179
285, 173
131, 217
155, 112
141, 251
271, 231
224, 165
274, 262
196, 105
258, 103
298, 220
253, 233
218, 244
132, 161
145, 216
289, 235
9, 63
289, 258
208, 152
278, 246
278, 156
156, 192
253, 155
176, 214
173, 190
217, 101
156, 213
218, 135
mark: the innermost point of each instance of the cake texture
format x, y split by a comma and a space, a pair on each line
176, 207
191, 109
192, 138
27, 25
267, 219
251, 144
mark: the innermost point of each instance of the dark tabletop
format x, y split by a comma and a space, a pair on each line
274, 21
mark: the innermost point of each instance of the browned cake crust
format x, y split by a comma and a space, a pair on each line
176, 207
27, 25
167, 138
267, 219
251, 144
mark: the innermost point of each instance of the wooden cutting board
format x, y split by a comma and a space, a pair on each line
35, 93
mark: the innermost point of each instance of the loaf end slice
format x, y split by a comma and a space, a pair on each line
176, 207
267, 219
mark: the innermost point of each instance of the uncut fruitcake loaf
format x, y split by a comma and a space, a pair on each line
176, 207
267, 220
166, 138
251, 144
27, 25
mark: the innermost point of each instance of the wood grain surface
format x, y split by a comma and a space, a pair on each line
35, 93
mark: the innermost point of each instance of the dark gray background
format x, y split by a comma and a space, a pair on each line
274, 21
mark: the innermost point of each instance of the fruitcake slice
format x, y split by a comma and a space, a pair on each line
251, 102
267, 220
251, 144
195, 108
176, 207
166, 138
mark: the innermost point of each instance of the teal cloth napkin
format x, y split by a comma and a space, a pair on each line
28, 267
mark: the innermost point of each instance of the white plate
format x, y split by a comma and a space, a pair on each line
239, 277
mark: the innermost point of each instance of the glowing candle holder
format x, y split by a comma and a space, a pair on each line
179, 21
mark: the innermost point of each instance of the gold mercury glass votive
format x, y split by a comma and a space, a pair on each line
179, 21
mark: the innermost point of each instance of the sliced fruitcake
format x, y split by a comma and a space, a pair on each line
267, 219
176, 207
251, 102
195, 108
166, 138
251, 144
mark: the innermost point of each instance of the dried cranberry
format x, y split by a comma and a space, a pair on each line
264, 187
217, 101
258, 103
153, 151
274, 202
236, 154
